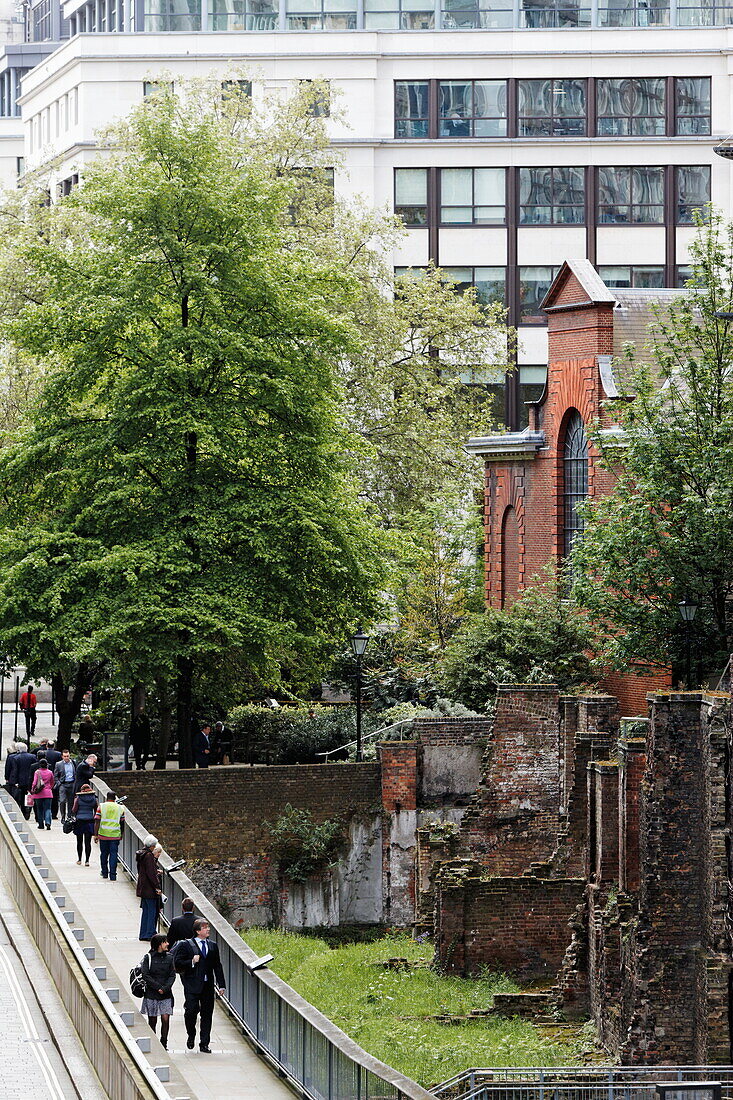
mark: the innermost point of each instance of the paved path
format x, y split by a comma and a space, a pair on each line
111, 912
30, 1065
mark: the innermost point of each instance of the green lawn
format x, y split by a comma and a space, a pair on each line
385, 1010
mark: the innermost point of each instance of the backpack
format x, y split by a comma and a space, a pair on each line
137, 982
181, 965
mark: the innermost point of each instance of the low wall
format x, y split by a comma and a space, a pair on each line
450, 753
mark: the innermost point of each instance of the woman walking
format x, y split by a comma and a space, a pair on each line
159, 974
84, 809
148, 887
42, 793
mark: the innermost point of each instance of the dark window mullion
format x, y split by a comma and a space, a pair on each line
670, 106
433, 109
433, 216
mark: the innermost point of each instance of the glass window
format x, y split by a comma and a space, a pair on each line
394, 15
244, 15
555, 13
172, 15
42, 21
704, 13
320, 15
693, 191
551, 107
631, 106
411, 109
472, 196
640, 277
685, 272
472, 108
319, 103
411, 195
531, 387
534, 282
575, 480
692, 105
490, 282
230, 89
631, 196
551, 196
151, 87
477, 14
634, 13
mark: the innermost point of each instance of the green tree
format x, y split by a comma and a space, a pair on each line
178, 490
539, 639
666, 530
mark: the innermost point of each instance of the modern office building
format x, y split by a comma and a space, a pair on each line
509, 134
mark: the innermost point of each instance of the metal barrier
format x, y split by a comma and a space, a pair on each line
123, 1070
299, 1041
578, 1082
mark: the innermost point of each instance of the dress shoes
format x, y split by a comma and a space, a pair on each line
205, 1050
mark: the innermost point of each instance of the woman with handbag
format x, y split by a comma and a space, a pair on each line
42, 793
159, 974
83, 811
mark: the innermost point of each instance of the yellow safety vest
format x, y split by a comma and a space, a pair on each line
109, 820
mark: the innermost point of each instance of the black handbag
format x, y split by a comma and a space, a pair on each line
68, 825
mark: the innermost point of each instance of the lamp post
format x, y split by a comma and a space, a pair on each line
359, 643
688, 610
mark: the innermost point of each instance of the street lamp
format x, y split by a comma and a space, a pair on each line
359, 643
688, 611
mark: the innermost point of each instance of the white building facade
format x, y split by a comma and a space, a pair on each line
508, 136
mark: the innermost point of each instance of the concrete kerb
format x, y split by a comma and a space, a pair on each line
224, 932
120, 1044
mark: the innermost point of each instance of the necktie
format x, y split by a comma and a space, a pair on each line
204, 949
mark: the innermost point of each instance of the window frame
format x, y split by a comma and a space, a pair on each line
398, 207
440, 205
676, 200
575, 477
409, 119
553, 205
631, 204
553, 117
678, 81
631, 118
473, 118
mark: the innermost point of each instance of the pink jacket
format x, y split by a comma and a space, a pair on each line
47, 789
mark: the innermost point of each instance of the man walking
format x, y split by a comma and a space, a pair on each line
20, 778
108, 821
28, 706
202, 747
199, 966
181, 928
85, 771
140, 739
64, 776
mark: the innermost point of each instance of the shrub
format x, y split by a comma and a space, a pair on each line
293, 735
302, 847
541, 638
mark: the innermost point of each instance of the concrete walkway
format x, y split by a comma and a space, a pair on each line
112, 914
31, 1067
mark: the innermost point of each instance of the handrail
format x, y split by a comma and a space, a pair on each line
299, 1041
153, 1087
366, 737
497, 1082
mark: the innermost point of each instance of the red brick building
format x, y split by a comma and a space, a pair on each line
535, 478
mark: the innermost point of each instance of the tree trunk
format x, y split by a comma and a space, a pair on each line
68, 699
166, 723
184, 714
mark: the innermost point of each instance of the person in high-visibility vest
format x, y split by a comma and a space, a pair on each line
108, 822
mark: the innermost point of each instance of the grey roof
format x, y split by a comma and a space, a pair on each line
524, 444
635, 313
591, 282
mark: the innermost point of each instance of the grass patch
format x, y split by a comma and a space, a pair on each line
385, 1010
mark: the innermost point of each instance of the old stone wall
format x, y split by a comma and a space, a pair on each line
450, 754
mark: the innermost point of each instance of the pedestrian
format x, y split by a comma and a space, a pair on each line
202, 746
109, 820
28, 706
87, 730
159, 974
13, 748
53, 756
42, 793
223, 737
83, 810
199, 966
20, 777
148, 887
85, 771
181, 928
140, 739
64, 774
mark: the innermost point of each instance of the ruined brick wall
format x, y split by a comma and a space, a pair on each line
398, 761
519, 925
450, 751
513, 819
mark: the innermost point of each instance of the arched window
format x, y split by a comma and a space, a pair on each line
575, 479
509, 557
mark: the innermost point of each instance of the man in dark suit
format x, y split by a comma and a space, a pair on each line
202, 747
181, 928
20, 778
199, 966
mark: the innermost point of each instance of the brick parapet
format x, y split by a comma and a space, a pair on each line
398, 761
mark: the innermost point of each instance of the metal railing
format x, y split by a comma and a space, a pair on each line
367, 737
299, 1041
578, 1082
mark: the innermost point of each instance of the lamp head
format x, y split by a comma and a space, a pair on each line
688, 609
359, 642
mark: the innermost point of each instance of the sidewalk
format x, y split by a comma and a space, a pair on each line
112, 913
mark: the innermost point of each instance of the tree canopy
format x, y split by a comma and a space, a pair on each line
666, 531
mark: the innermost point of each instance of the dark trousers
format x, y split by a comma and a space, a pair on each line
30, 721
19, 794
148, 918
42, 807
199, 1003
108, 856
